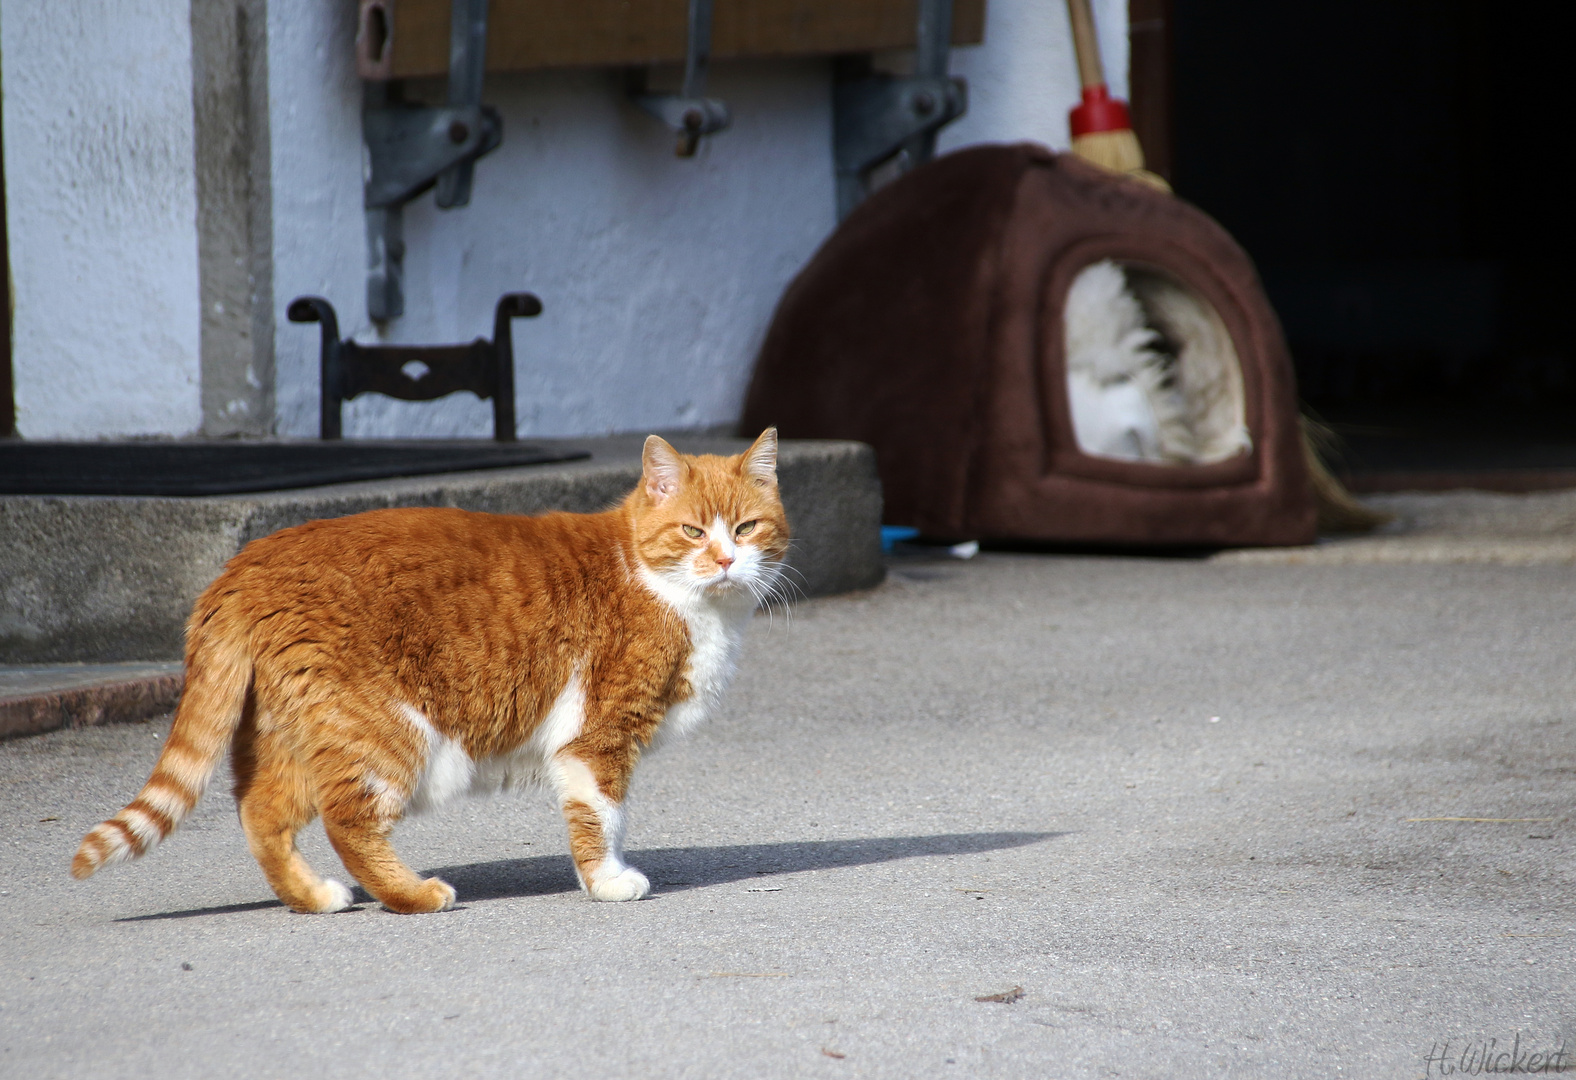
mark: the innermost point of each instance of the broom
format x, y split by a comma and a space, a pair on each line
1103, 135
1101, 129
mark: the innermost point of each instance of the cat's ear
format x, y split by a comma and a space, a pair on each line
760, 460
661, 469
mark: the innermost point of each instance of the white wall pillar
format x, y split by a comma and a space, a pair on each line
102, 217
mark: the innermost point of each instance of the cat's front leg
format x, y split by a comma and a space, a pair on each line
596, 826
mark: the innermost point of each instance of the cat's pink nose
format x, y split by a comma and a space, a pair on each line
724, 561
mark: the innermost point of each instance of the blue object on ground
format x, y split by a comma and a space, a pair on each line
891, 535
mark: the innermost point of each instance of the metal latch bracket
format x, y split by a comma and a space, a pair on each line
878, 118
413, 147
689, 114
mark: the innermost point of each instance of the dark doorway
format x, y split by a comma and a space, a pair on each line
1394, 171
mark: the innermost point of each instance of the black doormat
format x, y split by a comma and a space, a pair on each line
229, 468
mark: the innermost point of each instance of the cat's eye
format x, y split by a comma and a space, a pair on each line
693, 533
745, 530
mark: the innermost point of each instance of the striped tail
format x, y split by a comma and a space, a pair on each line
218, 678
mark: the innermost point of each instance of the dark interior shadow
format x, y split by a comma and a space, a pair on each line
674, 870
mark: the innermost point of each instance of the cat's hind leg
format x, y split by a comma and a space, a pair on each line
362, 841
368, 767
596, 830
359, 812
275, 801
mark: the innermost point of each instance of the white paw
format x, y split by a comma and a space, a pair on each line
445, 893
628, 884
331, 896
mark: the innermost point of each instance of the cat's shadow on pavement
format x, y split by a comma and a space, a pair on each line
673, 870
680, 869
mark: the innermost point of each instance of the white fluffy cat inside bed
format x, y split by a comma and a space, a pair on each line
1151, 371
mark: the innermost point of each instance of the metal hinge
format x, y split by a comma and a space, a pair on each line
891, 118
413, 147
688, 114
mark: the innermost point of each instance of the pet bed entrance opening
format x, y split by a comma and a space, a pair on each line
1152, 374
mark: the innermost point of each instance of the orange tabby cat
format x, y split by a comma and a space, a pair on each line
366, 666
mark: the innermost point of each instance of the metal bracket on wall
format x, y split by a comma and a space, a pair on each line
413, 147
880, 118
688, 114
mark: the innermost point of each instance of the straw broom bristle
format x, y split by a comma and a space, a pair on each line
1115, 150
1118, 151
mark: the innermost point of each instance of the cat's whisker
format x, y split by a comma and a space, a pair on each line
781, 594
784, 589
773, 596
784, 567
790, 589
774, 592
763, 601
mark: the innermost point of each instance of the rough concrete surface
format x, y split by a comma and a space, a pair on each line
1209, 819
43, 697
1532, 529
96, 578
23, 680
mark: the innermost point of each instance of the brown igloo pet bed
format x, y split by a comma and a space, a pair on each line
1040, 350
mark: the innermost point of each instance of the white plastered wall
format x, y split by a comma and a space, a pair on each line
658, 275
1024, 78
101, 217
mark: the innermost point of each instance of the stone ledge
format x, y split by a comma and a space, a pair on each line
64, 699
1398, 552
1456, 527
107, 578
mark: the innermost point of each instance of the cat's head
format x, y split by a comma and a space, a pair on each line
710, 524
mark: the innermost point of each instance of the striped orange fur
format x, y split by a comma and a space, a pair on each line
364, 667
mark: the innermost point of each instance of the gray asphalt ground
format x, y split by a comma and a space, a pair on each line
988, 775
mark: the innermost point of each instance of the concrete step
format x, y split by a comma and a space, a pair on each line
1487, 527
43, 697
107, 579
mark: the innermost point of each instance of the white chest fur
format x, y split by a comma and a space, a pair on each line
716, 631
